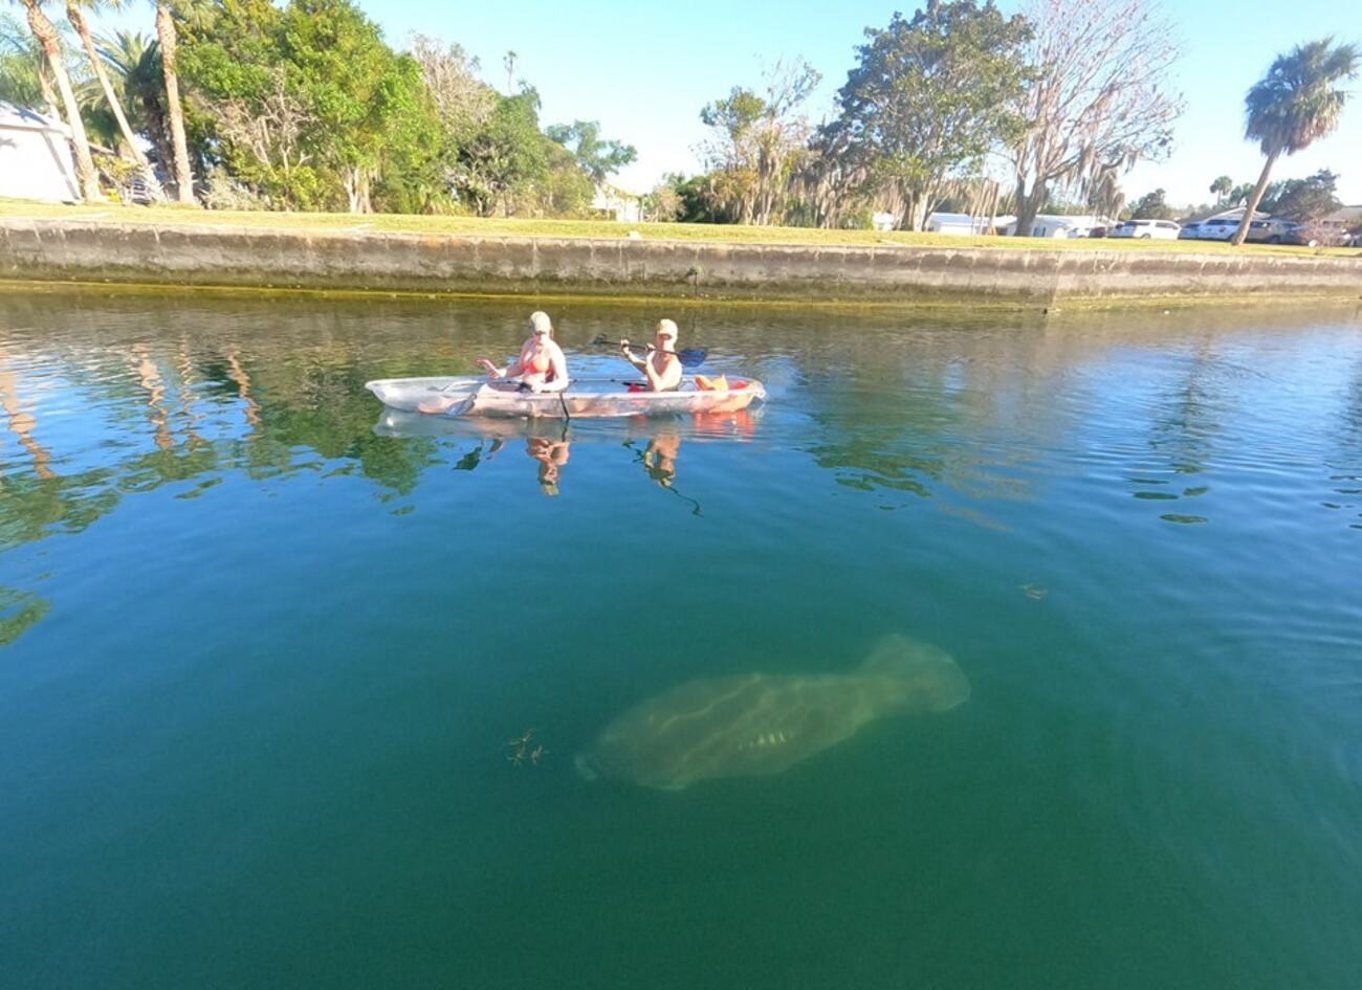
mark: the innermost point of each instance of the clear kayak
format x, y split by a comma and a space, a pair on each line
584, 397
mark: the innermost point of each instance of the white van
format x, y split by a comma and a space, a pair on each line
1165, 230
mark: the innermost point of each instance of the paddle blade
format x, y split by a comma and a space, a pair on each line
692, 357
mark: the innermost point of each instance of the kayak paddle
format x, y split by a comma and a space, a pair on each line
691, 357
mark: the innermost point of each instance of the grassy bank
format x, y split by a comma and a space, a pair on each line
170, 215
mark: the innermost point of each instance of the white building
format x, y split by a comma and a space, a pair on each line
35, 157
625, 207
1051, 225
963, 224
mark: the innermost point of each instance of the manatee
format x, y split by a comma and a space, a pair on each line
751, 724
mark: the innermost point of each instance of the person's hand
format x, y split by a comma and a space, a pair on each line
624, 345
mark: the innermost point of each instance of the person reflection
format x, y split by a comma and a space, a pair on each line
551, 455
659, 461
659, 458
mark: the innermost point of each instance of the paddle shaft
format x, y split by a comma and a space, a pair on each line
690, 357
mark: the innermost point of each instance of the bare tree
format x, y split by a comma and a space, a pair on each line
271, 127
1098, 101
451, 77
758, 137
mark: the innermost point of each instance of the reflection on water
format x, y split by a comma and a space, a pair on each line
551, 455
265, 644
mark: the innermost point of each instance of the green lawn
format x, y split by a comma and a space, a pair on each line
170, 215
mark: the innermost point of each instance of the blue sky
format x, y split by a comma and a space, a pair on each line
644, 71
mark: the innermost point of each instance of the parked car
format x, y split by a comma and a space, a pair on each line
1217, 229
1190, 231
1145, 229
1270, 231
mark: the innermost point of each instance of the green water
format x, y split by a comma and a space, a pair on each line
264, 650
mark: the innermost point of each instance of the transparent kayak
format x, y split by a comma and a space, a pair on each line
584, 397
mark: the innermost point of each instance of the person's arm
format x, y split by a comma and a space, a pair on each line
638, 362
512, 370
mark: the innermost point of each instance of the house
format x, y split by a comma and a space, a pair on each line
1053, 225
35, 157
625, 207
953, 223
962, 224
1342, 226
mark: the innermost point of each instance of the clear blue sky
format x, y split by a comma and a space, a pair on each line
644, 70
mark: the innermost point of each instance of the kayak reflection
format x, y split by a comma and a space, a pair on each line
654, 444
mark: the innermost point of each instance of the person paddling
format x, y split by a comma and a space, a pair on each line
660, 364
541, 366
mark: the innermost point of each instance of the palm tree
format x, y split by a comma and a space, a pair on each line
169, 42
1293, 105
76, 16
136, 60
46, 33
1221, 188
25, 79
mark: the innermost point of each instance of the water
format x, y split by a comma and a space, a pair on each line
264, 652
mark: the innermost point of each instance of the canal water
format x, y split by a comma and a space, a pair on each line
296, 694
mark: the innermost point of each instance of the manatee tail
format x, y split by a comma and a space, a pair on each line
919, 675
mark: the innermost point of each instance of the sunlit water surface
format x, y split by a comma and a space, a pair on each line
266, 653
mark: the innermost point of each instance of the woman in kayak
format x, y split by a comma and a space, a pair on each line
660, 364
541, 366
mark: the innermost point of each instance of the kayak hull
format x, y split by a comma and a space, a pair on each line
583, 398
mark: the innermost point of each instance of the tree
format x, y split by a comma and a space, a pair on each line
76, 16
168, 41
46, 34
1152, 206
597, 158
1303, 200
462, 101
25, 78
1295, 104
309, 108
136, 59
1104, 194
931, 97
1096, 100
368, 102
1221, 187
756, 139
504, 157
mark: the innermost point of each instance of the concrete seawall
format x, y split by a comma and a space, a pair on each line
221, 255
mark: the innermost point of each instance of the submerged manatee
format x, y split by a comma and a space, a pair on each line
752, 724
